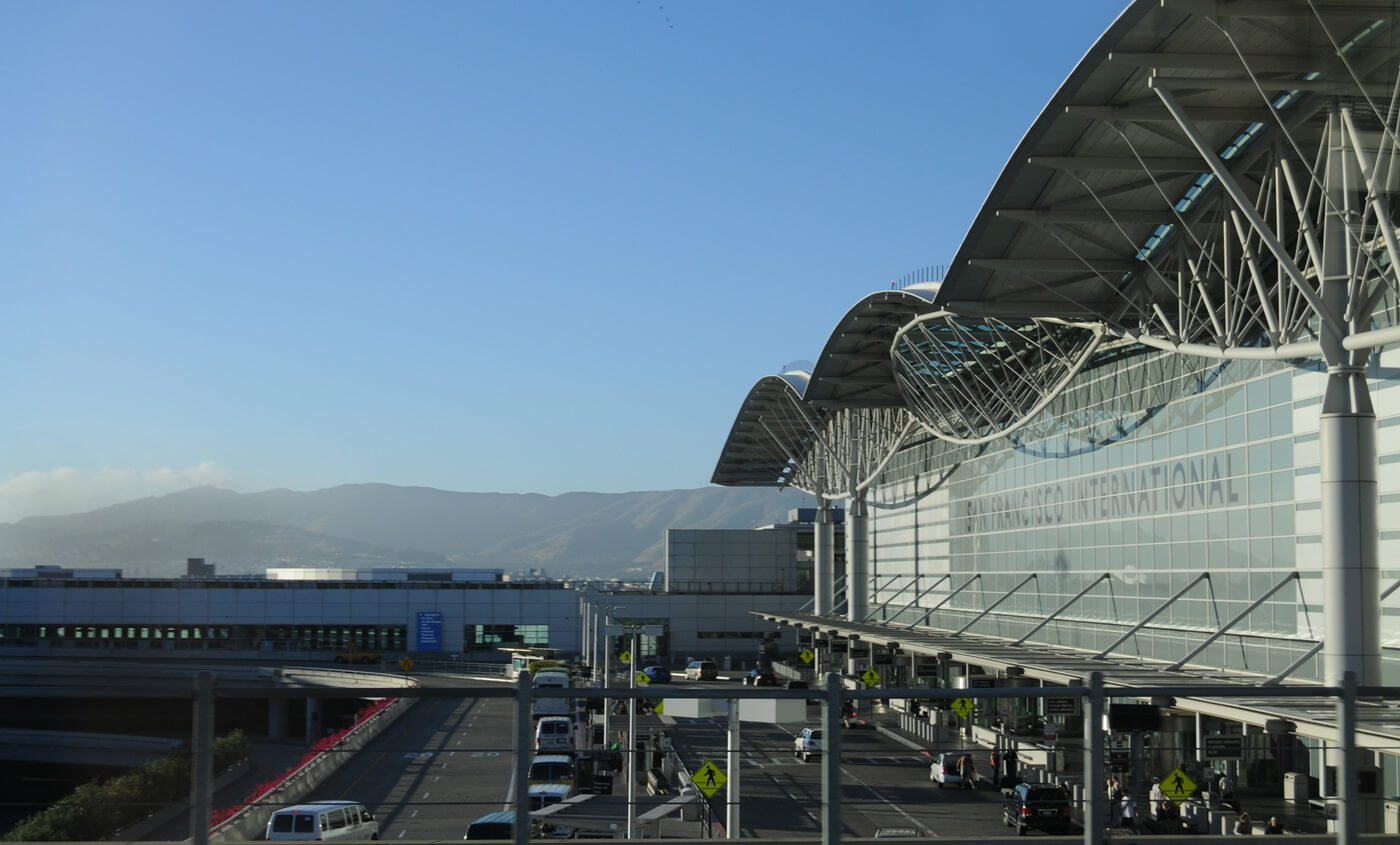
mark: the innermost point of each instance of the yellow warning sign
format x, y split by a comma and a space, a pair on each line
962, 706
643, 678
625, 657
1178, 786
871, 677
807, 655
406, 663
659, 708
709, 779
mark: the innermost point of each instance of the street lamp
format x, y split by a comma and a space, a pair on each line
636, 631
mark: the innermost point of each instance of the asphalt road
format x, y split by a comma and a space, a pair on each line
449, 761
884, 783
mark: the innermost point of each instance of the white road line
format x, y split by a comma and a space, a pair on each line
401, 833
425, 796
414, 814
894, 806
435, 778
794, 799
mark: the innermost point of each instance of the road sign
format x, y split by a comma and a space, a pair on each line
659, 708
709, 779
871, 677
807, 655
1178, 786
1225, 747
962, 706
625, 657
406, 663
1061, 706
643, 678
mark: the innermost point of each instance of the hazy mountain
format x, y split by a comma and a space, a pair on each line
362, 525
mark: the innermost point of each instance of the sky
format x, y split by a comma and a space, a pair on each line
517, 247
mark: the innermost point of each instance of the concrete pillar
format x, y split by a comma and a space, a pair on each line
823, 559
276, 718
314, 719
857, 560
1347, 435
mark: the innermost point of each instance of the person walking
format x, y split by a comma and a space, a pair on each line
996, 767
1129, 815
967, 772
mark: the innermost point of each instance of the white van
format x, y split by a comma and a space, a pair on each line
325, 820
554, 734
551, 768
544, 794
551, 706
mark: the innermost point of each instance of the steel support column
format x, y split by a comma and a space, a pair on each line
857, 559
823, 559
1348, 456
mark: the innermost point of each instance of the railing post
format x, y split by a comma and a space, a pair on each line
831, 760
201, 775
1094, 809
524, 690
1349, 813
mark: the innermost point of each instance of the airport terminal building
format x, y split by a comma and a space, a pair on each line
1142, 424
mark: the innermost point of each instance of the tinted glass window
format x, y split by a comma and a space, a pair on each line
305, 824
282, 823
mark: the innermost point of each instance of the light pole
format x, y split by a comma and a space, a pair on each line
636, 632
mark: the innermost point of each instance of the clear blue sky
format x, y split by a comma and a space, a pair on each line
480, 246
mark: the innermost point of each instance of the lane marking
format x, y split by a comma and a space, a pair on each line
898, 809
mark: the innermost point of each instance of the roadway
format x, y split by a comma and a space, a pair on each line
428, 775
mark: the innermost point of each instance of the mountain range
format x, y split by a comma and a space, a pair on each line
603, 535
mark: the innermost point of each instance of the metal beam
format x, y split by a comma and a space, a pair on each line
944, 577
1087, 215
1204, 576
1058, 265
946, 599
1061, 609
914, 579
978, 618
1131, 164
1292, 576
1153, 113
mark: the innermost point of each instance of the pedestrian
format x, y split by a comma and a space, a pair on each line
1227, 789
996, 767
1242, 823
1274, 825
1129, 813
1115, 797
967, 772
1156, 795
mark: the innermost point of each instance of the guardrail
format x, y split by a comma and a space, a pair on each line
1348, 801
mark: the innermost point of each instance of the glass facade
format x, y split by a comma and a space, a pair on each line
1152, 468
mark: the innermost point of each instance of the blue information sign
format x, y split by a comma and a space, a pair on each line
430, 630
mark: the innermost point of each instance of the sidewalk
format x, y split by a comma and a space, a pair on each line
1261, 802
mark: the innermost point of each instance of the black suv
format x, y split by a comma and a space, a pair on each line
1036, 805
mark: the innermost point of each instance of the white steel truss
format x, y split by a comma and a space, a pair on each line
971, 381
848, 448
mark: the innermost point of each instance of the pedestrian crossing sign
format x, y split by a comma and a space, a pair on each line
871, 677
625, 657
1178, 786
807, 654
962, 706
659, 708
643, 678
709, 779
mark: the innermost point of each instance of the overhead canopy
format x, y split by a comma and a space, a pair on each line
1168, 192
1086, 220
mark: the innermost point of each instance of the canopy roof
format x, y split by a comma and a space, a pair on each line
1165, 194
